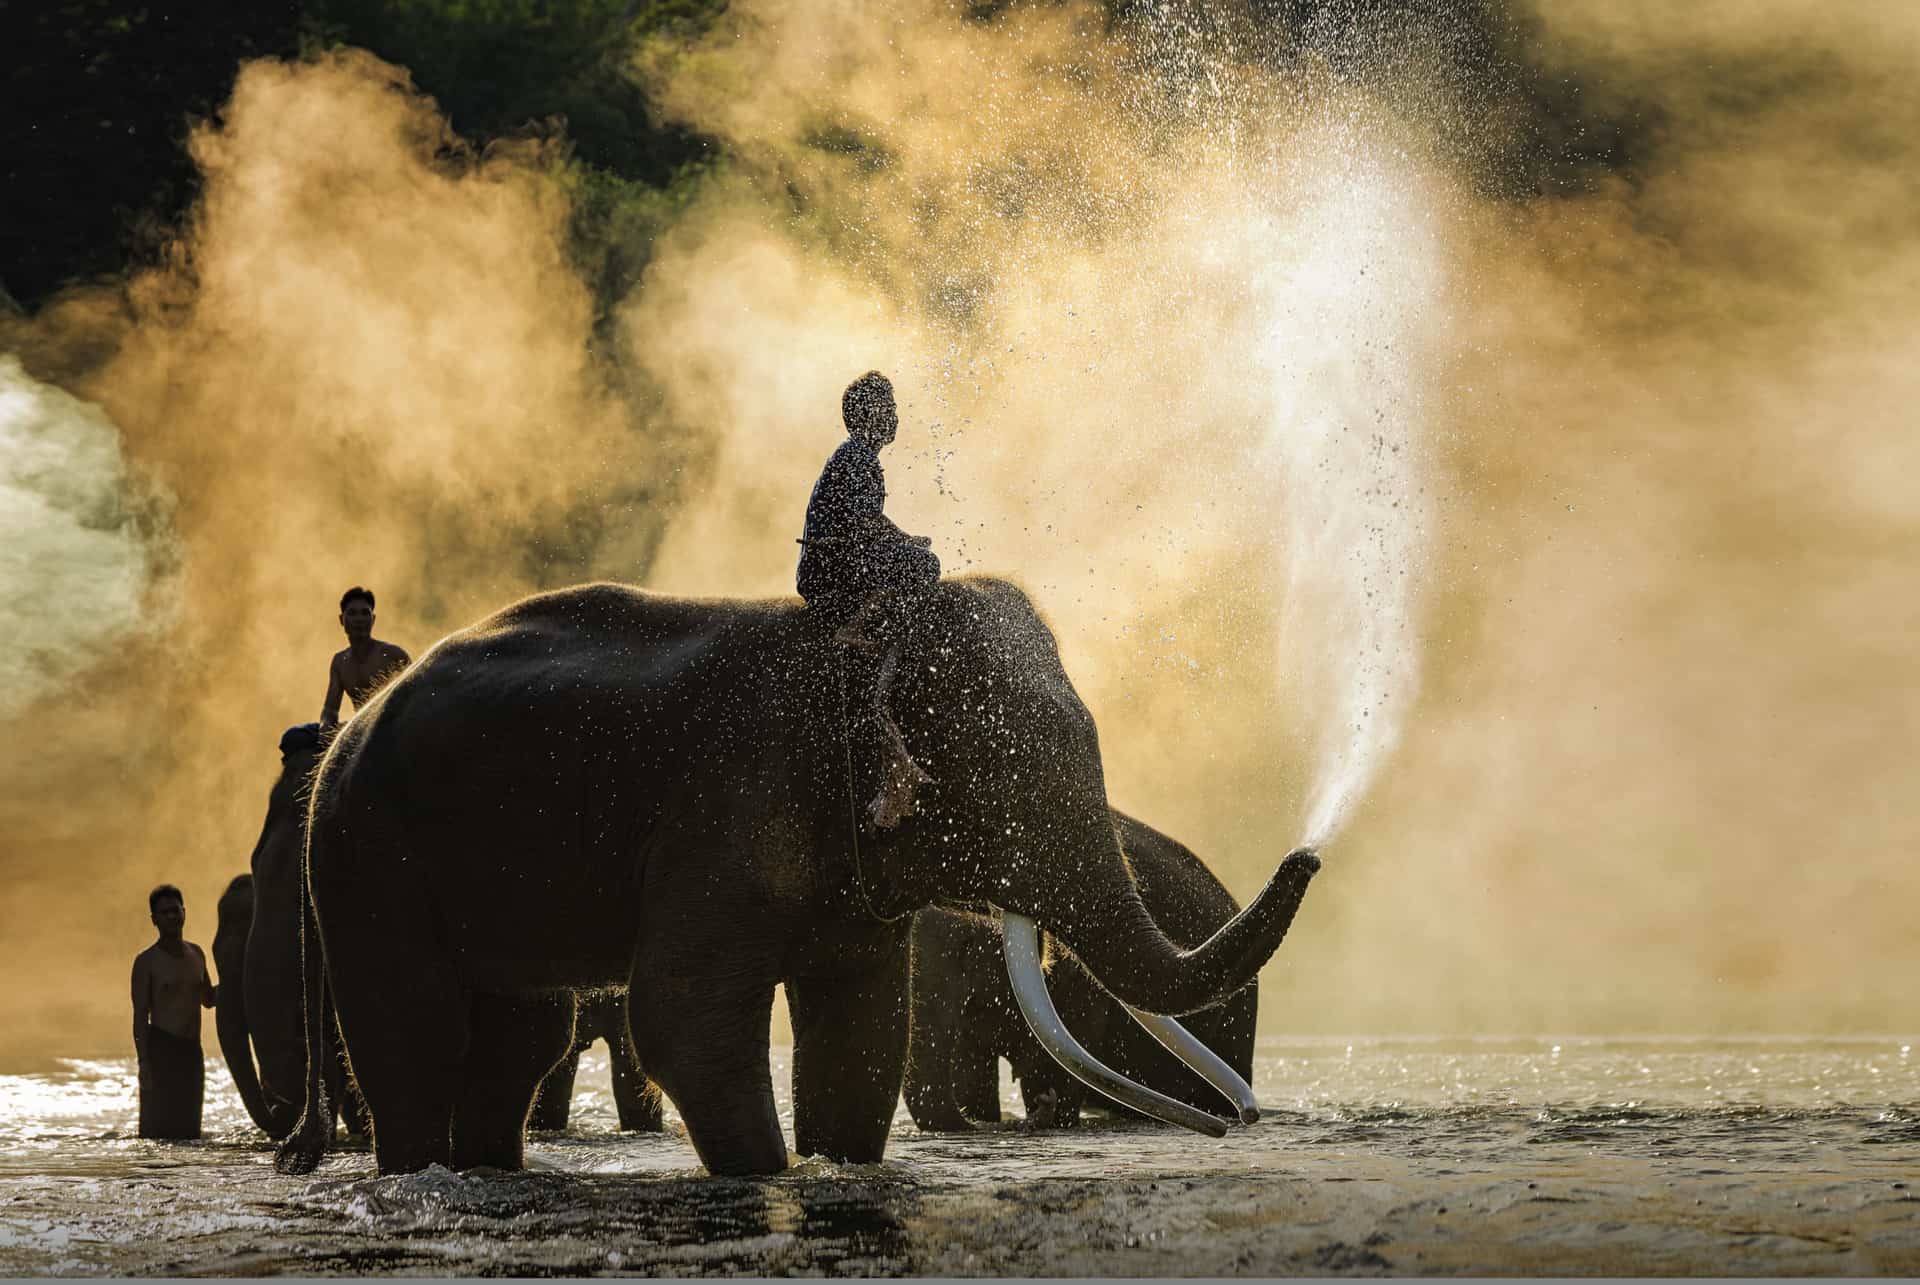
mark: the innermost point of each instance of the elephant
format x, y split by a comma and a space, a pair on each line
257, 1010
602, 1016
965, 1015
258, 1007
601, 785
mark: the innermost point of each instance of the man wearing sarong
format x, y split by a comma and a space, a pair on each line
170, 987
863, 573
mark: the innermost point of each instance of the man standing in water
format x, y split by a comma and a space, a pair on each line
170, 987
863, 572
365, 666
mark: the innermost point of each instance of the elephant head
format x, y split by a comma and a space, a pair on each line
966, 1015
257, 948
1018, 824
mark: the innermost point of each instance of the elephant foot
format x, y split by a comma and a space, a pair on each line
896, 800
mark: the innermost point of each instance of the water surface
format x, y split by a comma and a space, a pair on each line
1564, 1156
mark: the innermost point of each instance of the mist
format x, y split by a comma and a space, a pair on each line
1477, 441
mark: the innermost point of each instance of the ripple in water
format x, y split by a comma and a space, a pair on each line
79, 1195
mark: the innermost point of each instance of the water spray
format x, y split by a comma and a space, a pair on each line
1351, 290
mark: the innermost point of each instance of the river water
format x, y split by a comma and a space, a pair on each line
1375, 1156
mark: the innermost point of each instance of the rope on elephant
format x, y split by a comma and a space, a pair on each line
853, 805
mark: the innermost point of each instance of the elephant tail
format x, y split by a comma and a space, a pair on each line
303, 1148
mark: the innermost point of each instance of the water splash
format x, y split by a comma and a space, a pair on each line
1350, 292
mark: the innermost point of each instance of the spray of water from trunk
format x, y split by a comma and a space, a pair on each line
1349, 296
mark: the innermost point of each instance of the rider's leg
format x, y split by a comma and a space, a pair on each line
854, 632
903, 776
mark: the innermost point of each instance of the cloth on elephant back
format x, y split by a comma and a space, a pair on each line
173, 1077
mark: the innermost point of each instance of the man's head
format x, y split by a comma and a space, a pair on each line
356, 613
867, 407
168, 910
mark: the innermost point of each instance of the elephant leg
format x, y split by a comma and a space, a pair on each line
553, 1100
933, 1049
976, 1080
635, 1096
1051, 1097
353, 1110
702, 1037
516, 1041
849, 1054
406, 1042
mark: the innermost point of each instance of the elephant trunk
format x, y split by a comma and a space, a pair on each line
1021, 940
236, 1045
231, 1024
1126, 950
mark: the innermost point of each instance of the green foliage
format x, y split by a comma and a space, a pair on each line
496, 66
500, 67
615, 221
99, 96
103, 92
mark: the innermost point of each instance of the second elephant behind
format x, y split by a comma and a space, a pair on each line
965, 1017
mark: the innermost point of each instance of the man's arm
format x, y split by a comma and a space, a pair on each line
206, 980
330, 711
142, 1004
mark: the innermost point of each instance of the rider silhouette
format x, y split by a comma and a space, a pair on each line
863, 572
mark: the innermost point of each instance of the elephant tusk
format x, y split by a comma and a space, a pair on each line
1180, 1042
1021, 937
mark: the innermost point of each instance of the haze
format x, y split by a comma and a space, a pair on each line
1495, 439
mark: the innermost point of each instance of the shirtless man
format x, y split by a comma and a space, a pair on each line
365, 666
170, 987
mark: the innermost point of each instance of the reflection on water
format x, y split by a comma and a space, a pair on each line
80, 1195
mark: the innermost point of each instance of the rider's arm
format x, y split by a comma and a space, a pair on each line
330, 711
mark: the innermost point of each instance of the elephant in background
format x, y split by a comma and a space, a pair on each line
258, 1012
965, 1015
601, 1016
603, 785
257, 1009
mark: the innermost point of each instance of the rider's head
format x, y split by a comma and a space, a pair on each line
867, 407
356, 613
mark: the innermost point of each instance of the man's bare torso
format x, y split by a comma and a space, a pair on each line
176, 986
361, 678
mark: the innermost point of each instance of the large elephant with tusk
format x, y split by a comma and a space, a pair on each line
967, 1014
603, 785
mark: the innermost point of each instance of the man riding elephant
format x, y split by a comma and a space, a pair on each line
866, 575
